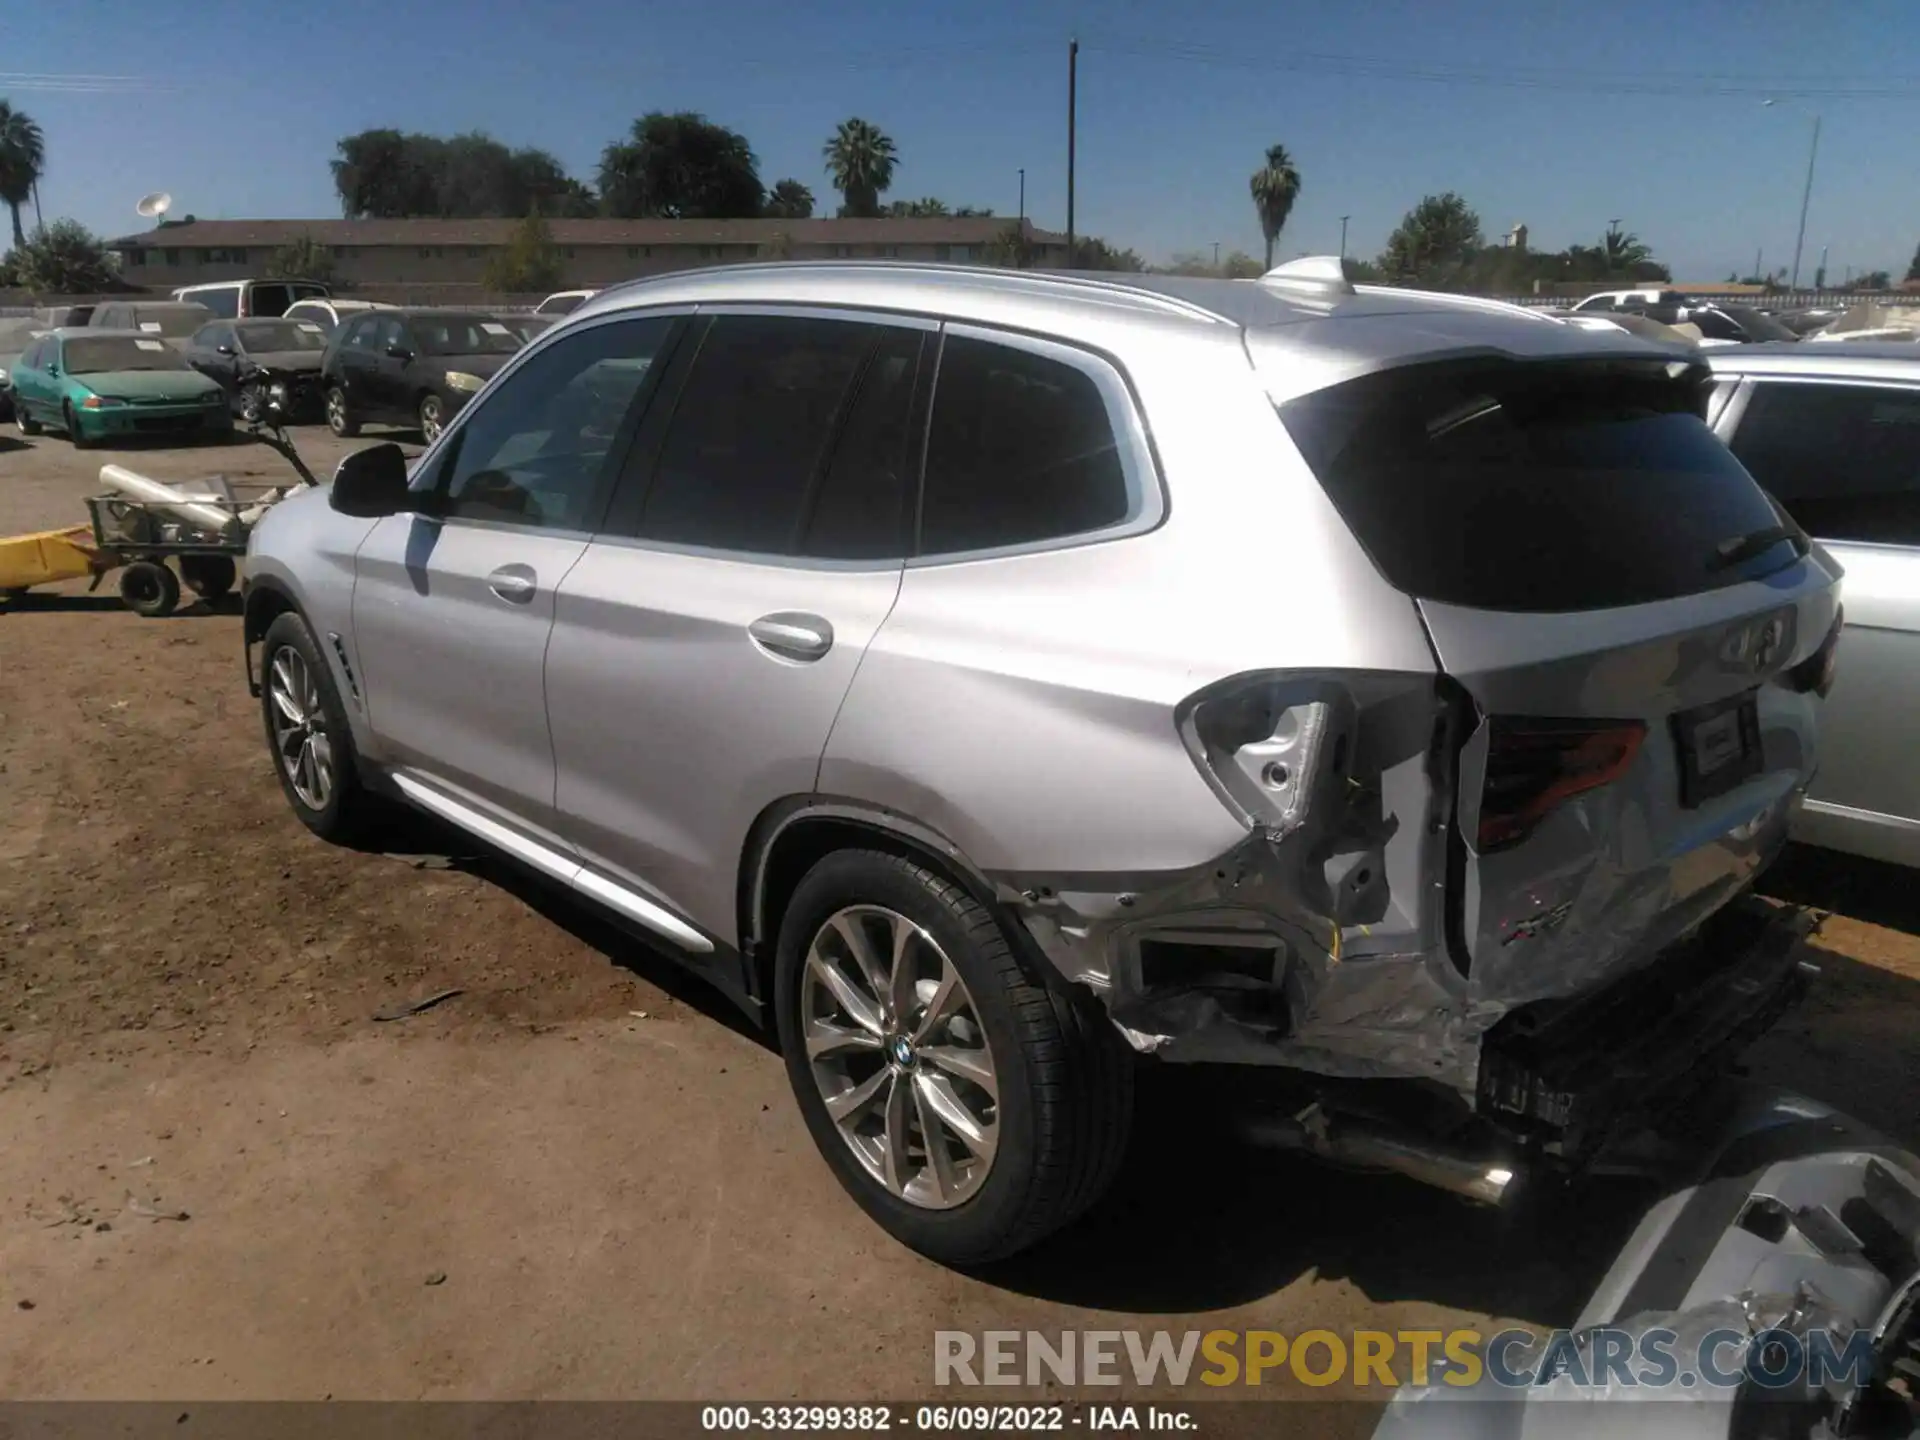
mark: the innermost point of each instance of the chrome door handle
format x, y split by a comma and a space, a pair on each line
791, 635
513, 583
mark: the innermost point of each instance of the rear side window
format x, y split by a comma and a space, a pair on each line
751, 429
1843, 459
1535, 487
223, 301
1021, 450
268, 300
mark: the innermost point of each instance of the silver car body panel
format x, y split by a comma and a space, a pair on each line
1024, 705
1866, 798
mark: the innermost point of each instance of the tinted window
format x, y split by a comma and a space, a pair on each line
224, 302
1532, 486
1021, 449
268, 300
95, 356
750, 431
463, 335
361, 334
1843, 459
860, 510
1715, 326
534, 452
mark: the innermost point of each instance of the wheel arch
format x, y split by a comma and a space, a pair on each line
792, 835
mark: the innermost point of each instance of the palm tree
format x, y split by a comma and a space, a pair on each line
1275, 186
1623, 250
23, 158
860, 158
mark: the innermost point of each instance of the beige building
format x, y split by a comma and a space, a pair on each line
427, 259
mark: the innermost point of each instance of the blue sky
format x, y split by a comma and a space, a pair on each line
234, 107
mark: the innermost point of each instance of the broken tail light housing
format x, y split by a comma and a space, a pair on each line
1265, 742
1535, 766
1815, 674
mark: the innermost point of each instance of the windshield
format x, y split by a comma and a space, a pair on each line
176, 322
97, 355
265, 336
1506, 486
463, 335
1757, 325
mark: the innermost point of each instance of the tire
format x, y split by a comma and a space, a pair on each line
28, 425
433, 417
210, 577
80, 440
340, 417
1064, 1083
250, 402
343, 810
150, 589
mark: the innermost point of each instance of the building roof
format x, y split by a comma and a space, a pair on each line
226, 234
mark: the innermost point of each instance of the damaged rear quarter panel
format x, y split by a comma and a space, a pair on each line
1026, 707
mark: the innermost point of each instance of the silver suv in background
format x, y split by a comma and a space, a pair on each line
985, 677
1833, 433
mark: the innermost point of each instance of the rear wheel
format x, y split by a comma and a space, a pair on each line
307, 732
28, 425
340, 417
969, 1103
433, 417
149, 588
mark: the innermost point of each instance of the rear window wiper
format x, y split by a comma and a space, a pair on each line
1746, 547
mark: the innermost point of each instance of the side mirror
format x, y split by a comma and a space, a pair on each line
372, 483
224, 349
399, 352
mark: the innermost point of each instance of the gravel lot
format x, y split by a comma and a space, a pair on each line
604, 1167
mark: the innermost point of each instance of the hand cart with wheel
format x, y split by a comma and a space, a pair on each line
156, 535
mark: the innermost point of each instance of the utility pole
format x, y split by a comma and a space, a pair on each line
1805, 196
1343, 235
1756, 265
1023, 199
1216, 254
1073, 77
1820, 275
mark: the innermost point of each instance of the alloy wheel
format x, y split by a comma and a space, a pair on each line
336, 412
300, 728
895, 1044
430, 421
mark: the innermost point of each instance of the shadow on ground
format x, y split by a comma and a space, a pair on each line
1869, 890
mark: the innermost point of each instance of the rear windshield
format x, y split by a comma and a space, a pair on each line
261, 336
176, 322
1537, 487
96, 355
464, 335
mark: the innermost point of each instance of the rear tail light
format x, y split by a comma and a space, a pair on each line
1534, 766
1815, 674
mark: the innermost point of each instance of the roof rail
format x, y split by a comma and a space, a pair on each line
1315, 274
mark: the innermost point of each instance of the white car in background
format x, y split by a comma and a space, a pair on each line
564, 302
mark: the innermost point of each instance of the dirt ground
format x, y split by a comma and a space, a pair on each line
580, 1177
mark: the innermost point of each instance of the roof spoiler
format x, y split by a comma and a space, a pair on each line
1316, 274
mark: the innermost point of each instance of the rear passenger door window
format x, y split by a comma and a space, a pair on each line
1029, 443
789, 436
536, 452
1843, 459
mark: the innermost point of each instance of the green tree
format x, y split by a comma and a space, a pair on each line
1275, 186
1874, 280
387, 174
973, 212
681, 167
1433, 243
302, 259
918, 209
23, 160
1622, 251
64, 258
789, 200
1913, 266
1092, 253
860, 157
529, 262
1009, 249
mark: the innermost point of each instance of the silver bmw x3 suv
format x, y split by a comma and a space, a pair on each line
985, 677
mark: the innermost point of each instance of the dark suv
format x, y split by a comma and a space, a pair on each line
411, 367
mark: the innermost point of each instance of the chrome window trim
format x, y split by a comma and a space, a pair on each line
1146, 490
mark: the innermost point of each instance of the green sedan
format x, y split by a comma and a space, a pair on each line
106, 384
